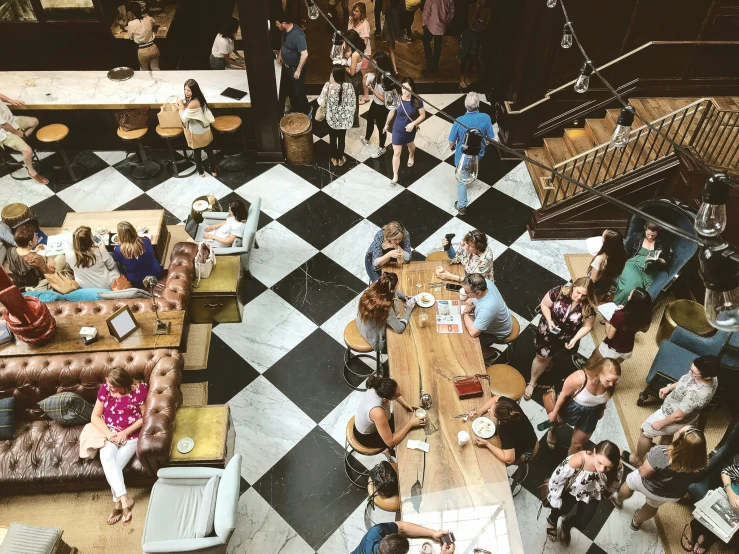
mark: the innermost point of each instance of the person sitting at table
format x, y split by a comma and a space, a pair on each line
379, 308
374, 425
14, 130
391, 243
474, 254
27, 267
392, 538
135, 255
648, 258
517, 436
485, 314
230, 230
91, 264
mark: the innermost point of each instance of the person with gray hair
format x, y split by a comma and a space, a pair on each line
473, 119
485, 314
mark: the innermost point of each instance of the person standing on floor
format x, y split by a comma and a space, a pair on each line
293, 56
358, 22
353, 58
333, 14
196, 119
474, 119
222, 53
437, 14
340, 99
473, 38
14, 130
405, 120
377, 113
142, 30
393, 10
608, 263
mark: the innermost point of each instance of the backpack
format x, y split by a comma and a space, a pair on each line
385, 479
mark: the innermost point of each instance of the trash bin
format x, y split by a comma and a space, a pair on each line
298, 132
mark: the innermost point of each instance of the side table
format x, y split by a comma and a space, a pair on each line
28, 539
686, 314
216, 299
212, 430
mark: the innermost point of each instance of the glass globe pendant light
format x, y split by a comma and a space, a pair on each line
583, 81
621, 134
567, 36
711, 218
337, 48
312, 9
720, 274
468, 165
551, 3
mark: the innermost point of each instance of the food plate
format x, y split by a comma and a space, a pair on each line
200, 205
483, 427
425, 299
185, 445
114, 238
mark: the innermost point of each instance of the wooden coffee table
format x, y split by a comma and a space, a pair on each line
153, 220
212, 430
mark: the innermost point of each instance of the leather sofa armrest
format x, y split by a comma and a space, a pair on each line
162, 402
176, 293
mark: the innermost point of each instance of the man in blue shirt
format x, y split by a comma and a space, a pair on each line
292, 57
392, 538
473, 119
485, 314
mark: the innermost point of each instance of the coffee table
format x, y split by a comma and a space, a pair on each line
211, 429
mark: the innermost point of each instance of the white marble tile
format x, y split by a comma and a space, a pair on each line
610, 428
112, 157
177, 195
536, 414
259, 528
26, 192
280, 190
460, 228
353, 145
336, 324
270, 329
280, 252
440, 101
616, 537
269, 424
549, 253
433, 137
439, 186
347, 537
517, 183
335, 422
347, 250
363, 189
104, 191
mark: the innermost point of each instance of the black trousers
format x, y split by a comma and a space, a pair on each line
583, 513
406, 21
376, 116
374, 440
378, 16
199, 162
296, 89
336, 142
432, 57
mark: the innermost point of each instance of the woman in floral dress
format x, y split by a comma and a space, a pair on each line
474, 254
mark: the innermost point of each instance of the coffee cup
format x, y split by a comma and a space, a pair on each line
423, 319
420, 412
463, 437
439, 268
426, 548
462, 294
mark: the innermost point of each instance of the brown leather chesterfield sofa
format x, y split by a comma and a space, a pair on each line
44, 456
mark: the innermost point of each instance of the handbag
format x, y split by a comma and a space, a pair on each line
169, 115
121, 283
201, 140
385, 479
130, 120
61, 283
544, 487
469, 387
205, 259
321, 112
550, 396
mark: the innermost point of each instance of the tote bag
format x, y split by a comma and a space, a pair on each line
169, 114
205, 259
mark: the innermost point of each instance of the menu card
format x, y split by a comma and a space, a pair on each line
448, 317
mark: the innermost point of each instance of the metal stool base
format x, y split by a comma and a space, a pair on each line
349, 356
362, 475
516, 479
146, 170
232, 162
173, 170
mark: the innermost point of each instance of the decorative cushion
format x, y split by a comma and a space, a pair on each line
80, 295
125, 293
45, 295
27, 539
67, 408
207, 511
7, 418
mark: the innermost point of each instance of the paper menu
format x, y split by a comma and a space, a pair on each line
607, 310
448, 317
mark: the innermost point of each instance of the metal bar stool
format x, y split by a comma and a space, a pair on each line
519, 475
169, 134
54, 134
235, 160
144, 168
510, 340
438, 256
352, 445
14, 166
385, 503
358, 347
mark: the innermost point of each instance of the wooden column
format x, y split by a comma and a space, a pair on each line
254, 16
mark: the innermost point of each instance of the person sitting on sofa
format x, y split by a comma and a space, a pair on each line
229, 231
135, 255
92, 265
119, 415
27, 267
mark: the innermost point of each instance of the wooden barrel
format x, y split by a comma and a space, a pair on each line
14, 215
298, 132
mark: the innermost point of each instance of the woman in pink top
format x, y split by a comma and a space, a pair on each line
358, 22
119, 415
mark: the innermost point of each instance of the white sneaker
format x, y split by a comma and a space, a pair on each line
379, 152
366, 142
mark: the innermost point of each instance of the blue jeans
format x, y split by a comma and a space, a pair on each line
461, 195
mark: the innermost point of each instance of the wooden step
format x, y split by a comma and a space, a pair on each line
578, 141
558, 150
539, 176
648, 109
727, 103
612, 116
600, 130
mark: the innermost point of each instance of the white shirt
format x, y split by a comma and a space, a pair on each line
231, 227
377, 85
100, 275
222, 46
141, 31
6, 116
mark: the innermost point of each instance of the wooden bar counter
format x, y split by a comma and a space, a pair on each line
464, 489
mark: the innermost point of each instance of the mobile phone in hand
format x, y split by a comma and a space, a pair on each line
448, 538
411, 300
544, 425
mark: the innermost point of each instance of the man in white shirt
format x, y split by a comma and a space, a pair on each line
13, 132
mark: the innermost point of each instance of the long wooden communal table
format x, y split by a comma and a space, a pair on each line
463, 488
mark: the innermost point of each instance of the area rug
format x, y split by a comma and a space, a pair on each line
671, 517
194, 394
197, 346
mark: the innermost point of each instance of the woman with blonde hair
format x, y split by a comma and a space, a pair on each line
582, 402
391, 243
665, 474
567, 315
90, 262
135, 255
119, 415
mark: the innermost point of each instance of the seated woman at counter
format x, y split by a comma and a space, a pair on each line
227, 232
222, 53
649, 257
517, 436
135, 255
91, 263
142, 30
196, 118
474, 254
391, 243
374, 426
378, 309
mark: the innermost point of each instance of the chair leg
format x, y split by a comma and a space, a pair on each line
147, 169
356, 481
348, 357
69, 166
256, 244
517, 478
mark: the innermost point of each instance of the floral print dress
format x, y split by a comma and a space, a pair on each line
339, 115
568, 318
475, 263
120, 412
587, 486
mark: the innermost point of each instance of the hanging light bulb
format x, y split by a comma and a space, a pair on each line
392, 99
583, 81
551, 3
567, 36
711, 218
337, 48
620, 136
312, 9
468, 168
720, 275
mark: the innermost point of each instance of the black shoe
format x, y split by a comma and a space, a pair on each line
460, 211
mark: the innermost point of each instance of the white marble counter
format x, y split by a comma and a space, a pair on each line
92, 90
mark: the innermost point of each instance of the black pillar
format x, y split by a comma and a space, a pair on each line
259, 58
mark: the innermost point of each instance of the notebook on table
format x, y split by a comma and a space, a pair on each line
234, 93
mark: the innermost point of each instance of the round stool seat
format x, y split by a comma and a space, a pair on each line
439, 256
227, 123
515, 330
387, 503
52, 133
356, 445
170, 132
506, 381
354, 339
132, 135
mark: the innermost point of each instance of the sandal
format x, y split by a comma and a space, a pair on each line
411, 161
634, 525
363, 100
40, 179
128, 513
685, 540
551, 532
528, 391
551, 438
115, 516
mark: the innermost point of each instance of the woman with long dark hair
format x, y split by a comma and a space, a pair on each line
517, 435
379, 307
625, 323
405, 121
142, 30
340, 99
608, 263
197, 119
227, 232
222, 53
377, 113
649, 257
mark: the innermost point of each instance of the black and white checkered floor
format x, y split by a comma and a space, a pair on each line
280, 368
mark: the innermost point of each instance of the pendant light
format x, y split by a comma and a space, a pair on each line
337, 48
720, 275
583, 81
621, 134
567, 36
392, 99
468, 166
711, 218
551, 3
312, 9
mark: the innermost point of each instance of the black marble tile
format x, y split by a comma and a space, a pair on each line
321, 172
420, 217
234, 179
424, 162
500, 216
51, 211
595, 549
91, 162
250, 288
605, 508
125, 168
264, 219
146, 202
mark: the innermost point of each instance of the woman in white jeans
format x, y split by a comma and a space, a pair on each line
119, 414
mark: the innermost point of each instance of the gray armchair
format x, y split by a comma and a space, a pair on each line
192, 509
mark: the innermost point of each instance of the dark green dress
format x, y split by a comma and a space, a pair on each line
637, 273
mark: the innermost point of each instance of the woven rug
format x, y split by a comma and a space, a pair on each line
197, 346
671, 518
194, 394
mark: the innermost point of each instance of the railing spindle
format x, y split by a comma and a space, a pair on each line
735, 127
717, 139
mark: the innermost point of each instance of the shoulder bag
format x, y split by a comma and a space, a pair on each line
550, 396
544, 487
469, 387
169, 114
130, 120
418, 126
205, 259
198, 140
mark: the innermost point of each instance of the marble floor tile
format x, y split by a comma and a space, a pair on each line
270, 329
280, 190
348, 250
111, 157
517, 183
347, 537
353, 144
335, 422
26, 192
259, 528
549, 253
336, 324
460, 228
439, 101
587, 345
363, 190
280, 252
177, 195
433, 137
95, 193
616, 537
536, 414
609, 427
439, 186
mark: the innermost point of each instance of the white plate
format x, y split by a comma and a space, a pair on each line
114, 239
480, 422
200, 205
185, 445
419, 299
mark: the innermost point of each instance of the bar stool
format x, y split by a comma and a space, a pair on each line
14, 166
519, 475
169, 134
54, 134
229, 125
352, 445
510, 340
438, 256
385, 503
357, 347
144, 168
506, 381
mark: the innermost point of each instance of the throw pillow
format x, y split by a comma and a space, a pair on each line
7, 418
67, 408
45, 295
82, 295
204, 525
125, 293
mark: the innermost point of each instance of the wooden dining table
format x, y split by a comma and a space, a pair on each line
463, 489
